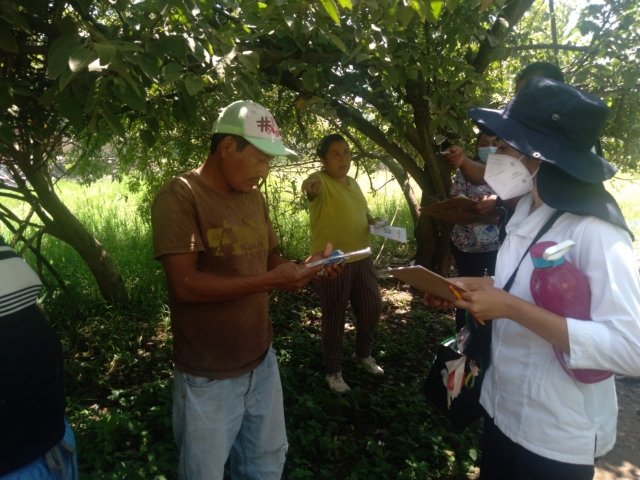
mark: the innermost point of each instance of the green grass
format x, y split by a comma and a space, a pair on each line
118, 358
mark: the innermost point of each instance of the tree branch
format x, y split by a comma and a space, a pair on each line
512, 14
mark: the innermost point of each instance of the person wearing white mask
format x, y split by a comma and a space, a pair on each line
541, 423
474, 246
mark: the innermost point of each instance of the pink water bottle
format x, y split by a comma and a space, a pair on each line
558, 286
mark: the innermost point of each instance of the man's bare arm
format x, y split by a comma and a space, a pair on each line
188, 284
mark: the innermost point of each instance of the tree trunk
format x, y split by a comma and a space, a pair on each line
66, 227
433, 236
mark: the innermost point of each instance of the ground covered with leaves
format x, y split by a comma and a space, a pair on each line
119, 388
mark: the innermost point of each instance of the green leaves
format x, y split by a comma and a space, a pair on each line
174, 45
147, 137
331, 9
431, 9
485, 4
6, 95
71, 109
193, 84
249, 60
6, 133
80, 58
129, 96
7, 40
436, 9
171, 73
12, 15
59, 54
309, 80
106, 52
150, 65
346, 4
420, 8
404, 14
338, 43
114, 123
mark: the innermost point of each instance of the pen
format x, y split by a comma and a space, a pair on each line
459, 297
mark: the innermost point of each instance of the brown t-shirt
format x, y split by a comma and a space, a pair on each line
233, 235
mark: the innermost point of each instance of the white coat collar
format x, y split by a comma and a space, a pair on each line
527, 225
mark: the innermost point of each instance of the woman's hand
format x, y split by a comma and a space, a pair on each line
487, 302
435, 302
312, 186
484, 300
376, 221
464, 282
485, 205
455, 157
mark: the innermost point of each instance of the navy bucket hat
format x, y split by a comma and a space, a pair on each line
553, 122
559, 124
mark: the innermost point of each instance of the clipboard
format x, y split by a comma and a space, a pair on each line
454, 203
454, 210
427, 281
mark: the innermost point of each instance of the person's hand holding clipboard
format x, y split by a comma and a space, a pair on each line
440, 292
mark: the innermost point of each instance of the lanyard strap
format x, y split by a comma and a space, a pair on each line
545, 228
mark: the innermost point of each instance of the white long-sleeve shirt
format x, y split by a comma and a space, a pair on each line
530, 397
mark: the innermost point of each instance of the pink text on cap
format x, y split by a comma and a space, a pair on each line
260, 123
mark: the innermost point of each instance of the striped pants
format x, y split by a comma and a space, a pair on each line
358, 284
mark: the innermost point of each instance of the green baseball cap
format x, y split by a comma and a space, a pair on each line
255, 124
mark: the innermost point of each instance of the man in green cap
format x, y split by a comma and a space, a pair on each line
212, 232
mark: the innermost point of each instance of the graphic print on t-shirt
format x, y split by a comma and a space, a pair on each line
238, 239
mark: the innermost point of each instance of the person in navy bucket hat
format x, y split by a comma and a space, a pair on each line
540, 422
553, 122
559, 124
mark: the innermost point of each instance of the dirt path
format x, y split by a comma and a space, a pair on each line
623, 462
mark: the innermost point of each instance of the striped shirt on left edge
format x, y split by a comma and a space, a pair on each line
19, 284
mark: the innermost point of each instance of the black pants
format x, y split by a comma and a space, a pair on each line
358, 284
472, 265
503, 459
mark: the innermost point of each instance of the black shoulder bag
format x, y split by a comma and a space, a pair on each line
466, 408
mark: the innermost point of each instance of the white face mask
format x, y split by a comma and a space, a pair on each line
508, 176
484, 152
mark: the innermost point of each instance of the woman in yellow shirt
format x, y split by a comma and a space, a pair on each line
339, 215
